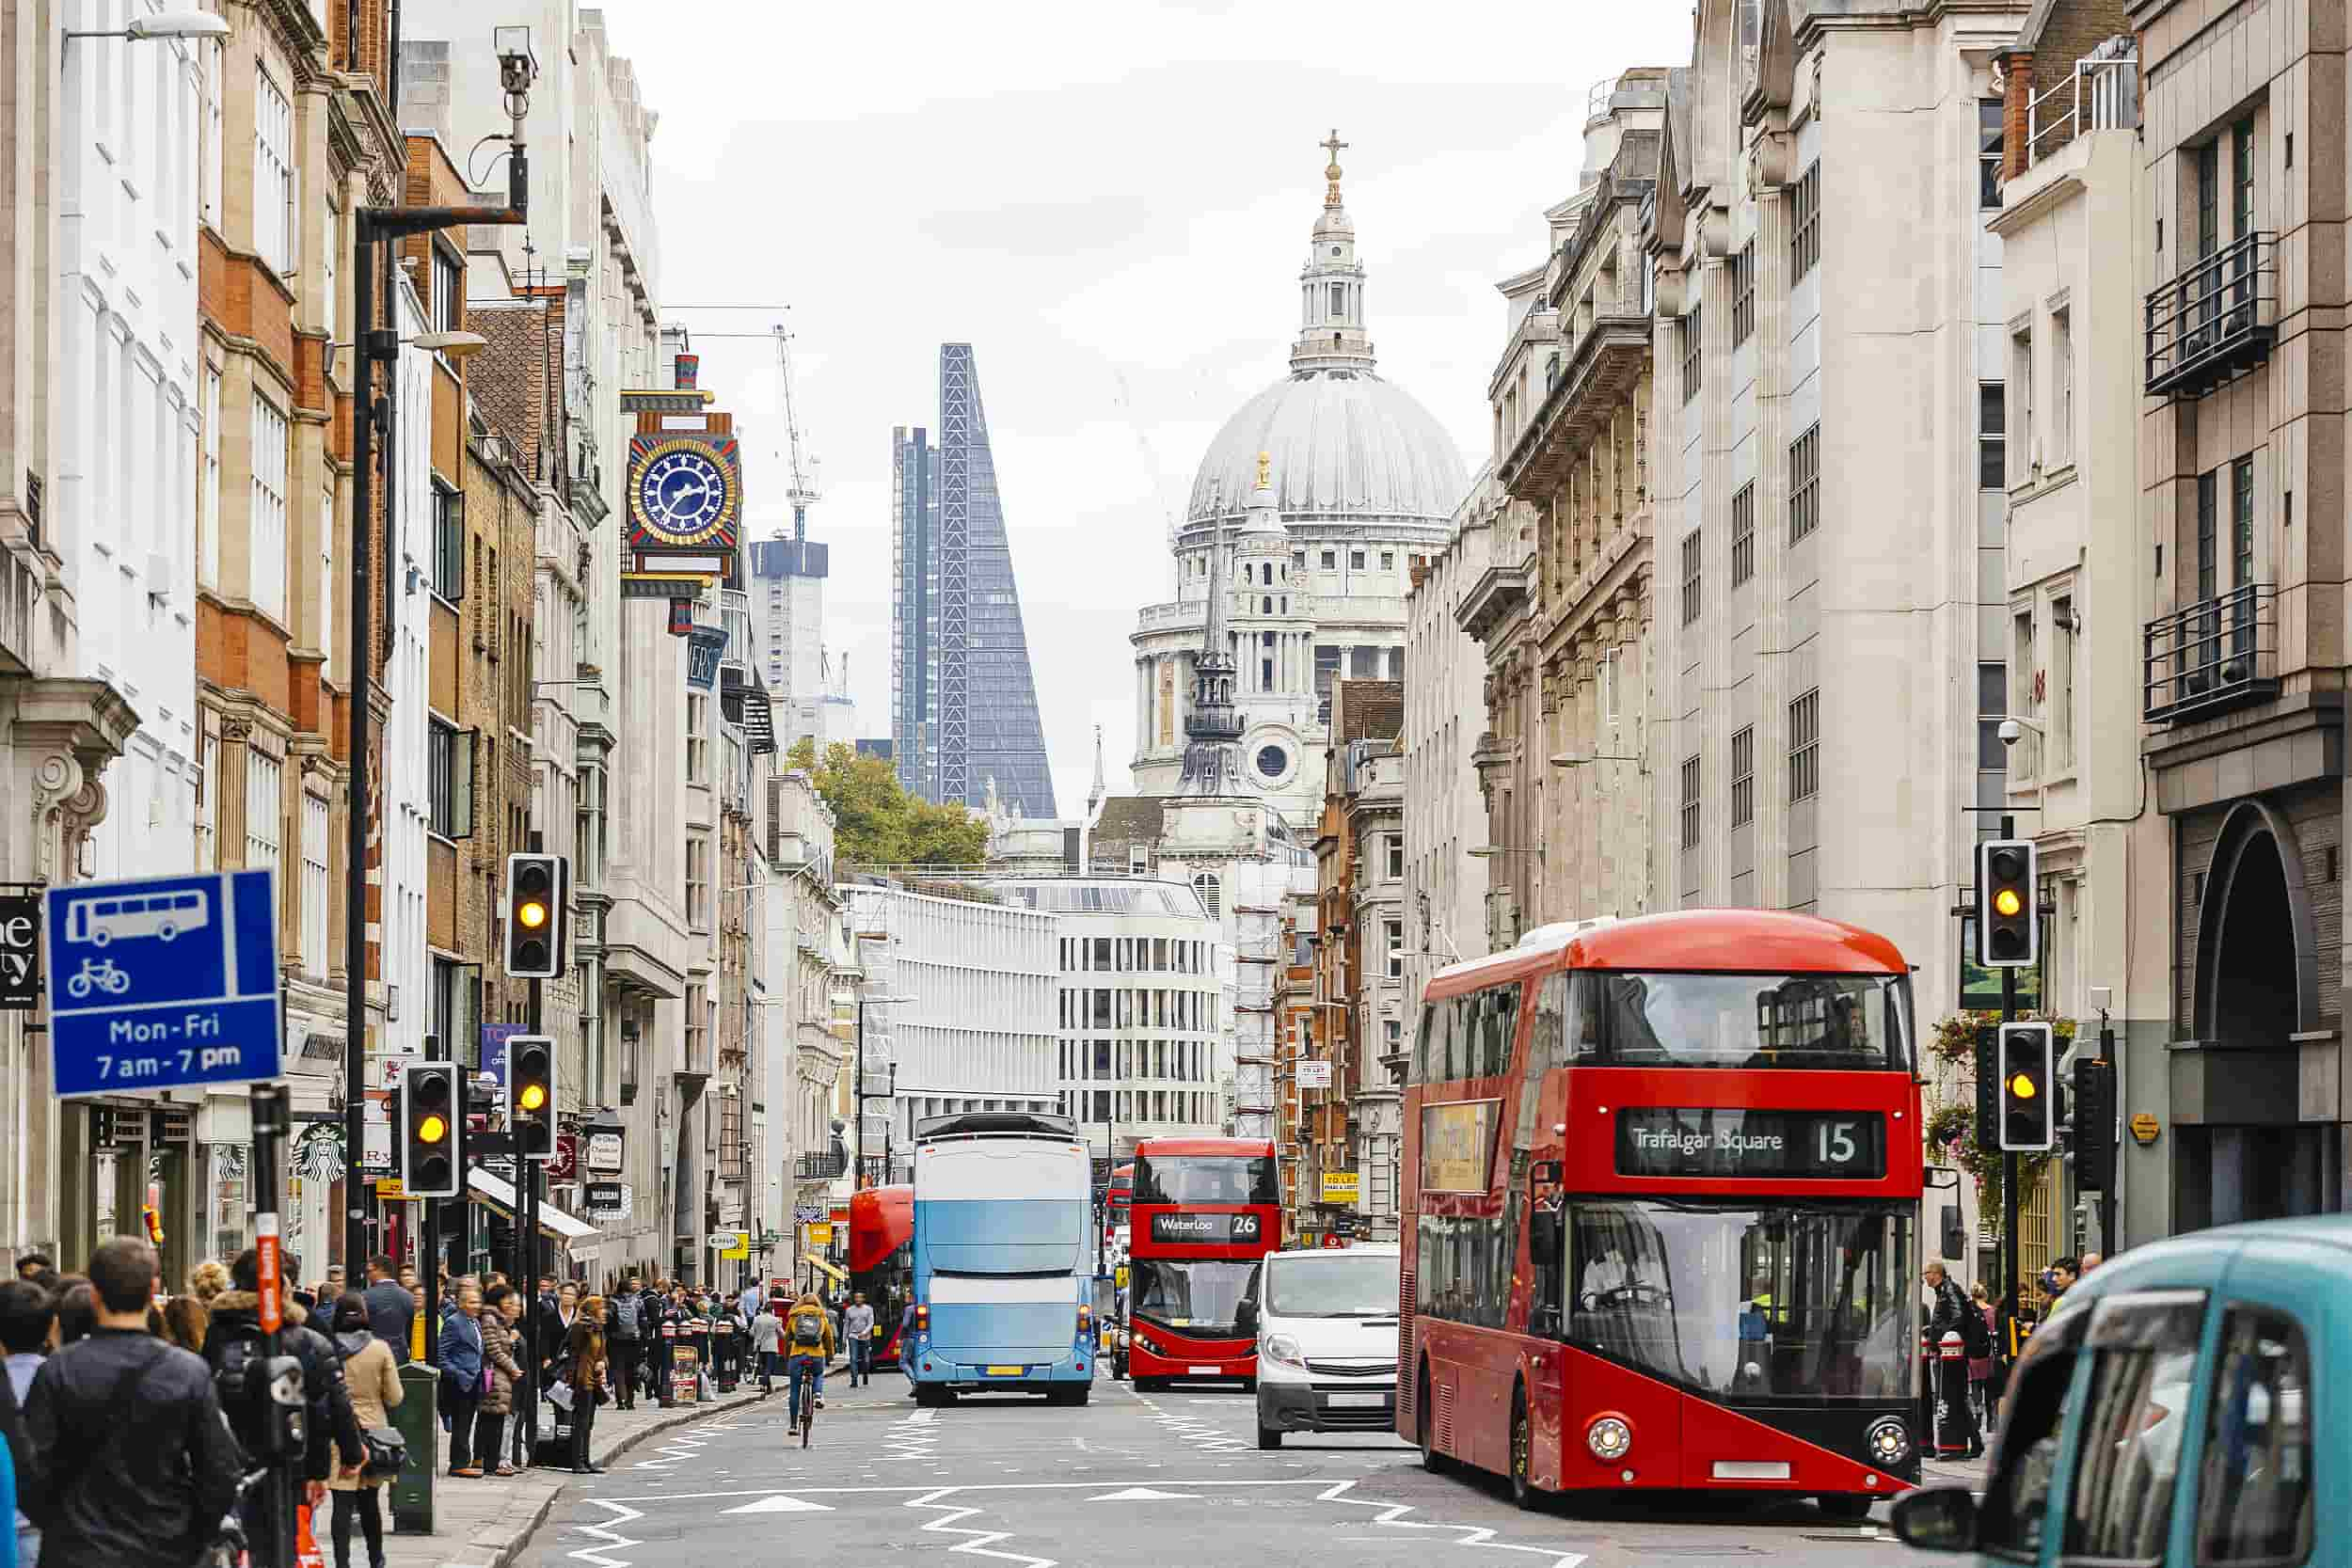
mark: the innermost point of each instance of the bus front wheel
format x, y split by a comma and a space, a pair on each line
1523, 1493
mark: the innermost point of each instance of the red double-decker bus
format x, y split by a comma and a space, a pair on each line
1661, 1177
881, 1259
1204, 1211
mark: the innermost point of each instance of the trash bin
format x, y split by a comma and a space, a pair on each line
419, 1420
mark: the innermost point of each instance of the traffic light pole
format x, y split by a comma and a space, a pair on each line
527, 1221
2010, 1294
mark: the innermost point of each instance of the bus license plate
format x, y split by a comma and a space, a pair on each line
1007, 1371
1202, 1371
1356, 1400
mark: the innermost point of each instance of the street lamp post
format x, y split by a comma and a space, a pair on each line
518, 69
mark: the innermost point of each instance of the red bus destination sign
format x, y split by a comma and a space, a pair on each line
1206, 1230
1711, 1141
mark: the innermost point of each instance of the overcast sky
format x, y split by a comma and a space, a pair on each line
1111, 202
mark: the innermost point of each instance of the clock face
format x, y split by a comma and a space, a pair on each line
684, 495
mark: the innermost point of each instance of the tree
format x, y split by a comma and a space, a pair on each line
876, 822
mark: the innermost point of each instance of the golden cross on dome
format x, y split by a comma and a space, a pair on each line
1265, 470
1331, 171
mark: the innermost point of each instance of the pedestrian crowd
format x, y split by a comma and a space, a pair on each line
1975, 1315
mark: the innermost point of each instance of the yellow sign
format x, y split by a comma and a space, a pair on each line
1457, 1146
389, 1189
733, 1243
1119, 1277
1339, 1186
2145, 1128
821, 1235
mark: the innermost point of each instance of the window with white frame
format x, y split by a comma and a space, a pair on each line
1392, 943
1396, 857
697, 738
273, 175
313, 884
699, 880
449, 291
266, 564
449, 758
207, 526
2061, 387
210, 157
2062, 683
208, 802
264, 831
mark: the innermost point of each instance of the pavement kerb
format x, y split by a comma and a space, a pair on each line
504, 1540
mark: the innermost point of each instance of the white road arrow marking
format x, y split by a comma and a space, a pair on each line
783, 1502
1141, 1495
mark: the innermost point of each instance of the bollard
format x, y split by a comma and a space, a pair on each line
419, 1423
1951, 1396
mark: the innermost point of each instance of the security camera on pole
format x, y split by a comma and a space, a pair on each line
2008, 938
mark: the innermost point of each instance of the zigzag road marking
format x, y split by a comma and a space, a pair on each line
981, 1539
1203, 1435
687, 1444
595, 1556
1392, 1515
913, 1437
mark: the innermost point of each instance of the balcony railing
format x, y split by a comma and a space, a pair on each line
2220, 653
2216, 321
821, 1167
2100, 93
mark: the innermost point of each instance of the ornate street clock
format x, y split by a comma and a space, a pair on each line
684, 493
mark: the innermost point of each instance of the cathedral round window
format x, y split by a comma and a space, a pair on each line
1273, 761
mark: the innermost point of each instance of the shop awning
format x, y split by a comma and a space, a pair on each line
554, 1223
837, 1276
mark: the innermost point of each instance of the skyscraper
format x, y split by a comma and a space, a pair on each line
963, 698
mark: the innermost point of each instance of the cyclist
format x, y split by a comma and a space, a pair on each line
808, 1345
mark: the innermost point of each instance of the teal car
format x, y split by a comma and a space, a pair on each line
2168, 1413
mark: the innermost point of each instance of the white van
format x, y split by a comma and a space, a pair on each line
1326, 1323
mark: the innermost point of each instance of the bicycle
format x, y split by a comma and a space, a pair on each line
803, 1380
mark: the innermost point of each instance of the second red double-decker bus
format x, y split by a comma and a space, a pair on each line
881, 1259
1204, 1211
1661, 1177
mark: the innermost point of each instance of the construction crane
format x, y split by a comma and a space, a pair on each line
804, 490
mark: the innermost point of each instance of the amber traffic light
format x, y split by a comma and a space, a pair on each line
431, 1163
2009, 932
530, 1095
534, 917
2028, 1097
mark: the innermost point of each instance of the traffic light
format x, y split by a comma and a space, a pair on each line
2095, 1124
2008, 929
535, 919
530, 1095
431, 1163
2029, 1087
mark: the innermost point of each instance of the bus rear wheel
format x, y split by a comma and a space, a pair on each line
1424, 1428
1846, 1505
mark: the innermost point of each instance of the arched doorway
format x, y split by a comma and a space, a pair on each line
2255, 992
2245, 1152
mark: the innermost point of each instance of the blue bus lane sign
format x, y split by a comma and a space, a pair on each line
163, 982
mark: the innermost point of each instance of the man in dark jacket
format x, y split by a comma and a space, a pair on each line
1954, 1313
133, 1467
391, 1309
334, 1430
621, 1338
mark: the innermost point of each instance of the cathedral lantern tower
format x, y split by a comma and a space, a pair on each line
1348, 478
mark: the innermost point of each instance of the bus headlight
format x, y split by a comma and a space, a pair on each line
1888, 1440
1283, 1351
1610, 1437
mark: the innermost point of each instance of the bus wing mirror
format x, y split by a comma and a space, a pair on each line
1246, 1317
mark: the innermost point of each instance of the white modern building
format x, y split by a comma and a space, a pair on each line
980, 1029
127, 184
1141, 1006
1364, 479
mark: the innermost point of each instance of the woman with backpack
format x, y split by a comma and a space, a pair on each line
376, 1393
